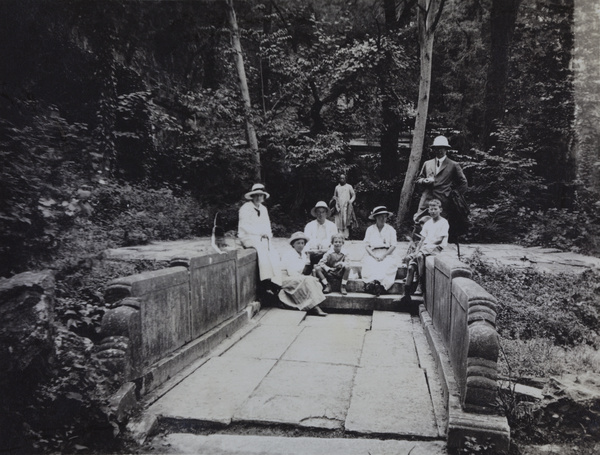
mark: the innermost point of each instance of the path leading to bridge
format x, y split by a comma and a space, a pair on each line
549, 260
289, 383
361, 383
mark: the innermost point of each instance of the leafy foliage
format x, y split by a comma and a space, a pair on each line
122, 125
563, 308
68, 412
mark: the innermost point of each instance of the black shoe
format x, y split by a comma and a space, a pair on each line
377, 288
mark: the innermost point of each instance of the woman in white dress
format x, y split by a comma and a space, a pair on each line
379, 265
300, 291
254, 231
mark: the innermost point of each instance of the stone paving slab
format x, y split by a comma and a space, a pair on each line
388, 348
333, 345
281, 317
386, 320
215, 391
393, 401
277, 445
265, 342
434, 381
305, 394
539, 258
335, 321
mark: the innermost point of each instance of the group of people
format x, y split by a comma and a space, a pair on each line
306, 271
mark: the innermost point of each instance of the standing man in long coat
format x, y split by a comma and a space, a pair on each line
439, 177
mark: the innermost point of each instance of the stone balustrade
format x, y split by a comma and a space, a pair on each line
461, 317
160, 320
464, 314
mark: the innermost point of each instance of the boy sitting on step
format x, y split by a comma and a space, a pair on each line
333, 265
434, 238
414, 239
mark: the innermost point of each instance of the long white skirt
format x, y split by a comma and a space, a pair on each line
302, 292
269, 267
382, 271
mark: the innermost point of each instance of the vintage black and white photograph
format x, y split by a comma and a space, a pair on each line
300, 227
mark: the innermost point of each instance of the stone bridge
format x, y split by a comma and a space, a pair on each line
213, 371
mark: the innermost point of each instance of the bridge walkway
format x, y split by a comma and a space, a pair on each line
298, 384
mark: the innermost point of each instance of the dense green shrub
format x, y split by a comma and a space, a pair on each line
68, 412
564, 308
138, 214
576, 229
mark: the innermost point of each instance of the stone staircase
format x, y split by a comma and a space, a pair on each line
358, 300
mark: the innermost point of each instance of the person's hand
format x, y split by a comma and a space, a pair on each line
428, 180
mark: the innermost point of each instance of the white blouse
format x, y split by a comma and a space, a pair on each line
253, 221
385, 238
292, 262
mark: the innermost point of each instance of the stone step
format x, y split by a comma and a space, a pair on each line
182, 443
360, 301
356, 268
357, 285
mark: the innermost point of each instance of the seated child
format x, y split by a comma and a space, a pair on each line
333, 266
434, 238
414, 239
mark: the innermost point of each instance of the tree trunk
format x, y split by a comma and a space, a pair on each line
239, 64
428, 16
502, 26
389, 135
391, 18
390, 121
107, 108
265, 66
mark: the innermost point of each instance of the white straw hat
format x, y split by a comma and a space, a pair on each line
257, 188
320, 205
379, 210
440, 141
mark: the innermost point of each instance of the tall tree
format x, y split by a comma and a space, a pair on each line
428, 16
502, 27
587, 93
241, 71
390, 113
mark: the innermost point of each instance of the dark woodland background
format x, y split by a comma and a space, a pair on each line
122, 122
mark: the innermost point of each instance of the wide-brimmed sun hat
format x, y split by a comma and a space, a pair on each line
298, 236
320, 205
257, 188
441, 141
379, 210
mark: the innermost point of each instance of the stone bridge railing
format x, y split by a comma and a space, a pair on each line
460, 321
161, 321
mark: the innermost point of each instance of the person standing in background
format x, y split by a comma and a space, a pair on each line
343, 198
439, 177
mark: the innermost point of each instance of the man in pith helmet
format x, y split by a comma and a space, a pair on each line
438, 177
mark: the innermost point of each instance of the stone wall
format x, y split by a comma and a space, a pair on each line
157, 315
